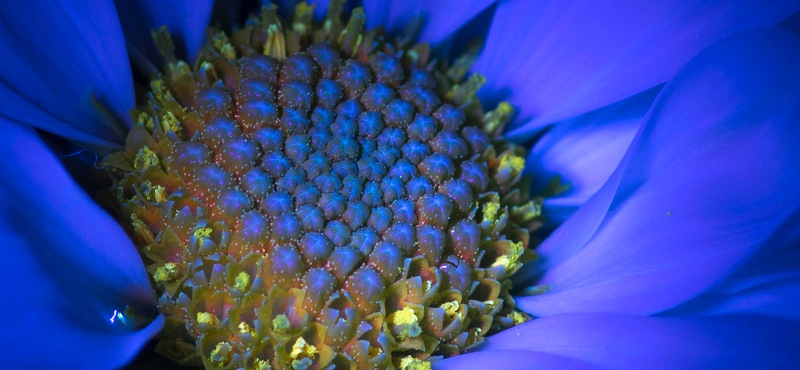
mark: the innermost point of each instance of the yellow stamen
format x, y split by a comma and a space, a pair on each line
281, 323
160, 91
145, 120
168, 272
451, 308
490, 211
513, 163
260, 364
141, 230
246, 329
207, 318
222, 354
407, 320
511, 260
411, 363
170, 123
242, 281
145, 158
517, 317
202, 234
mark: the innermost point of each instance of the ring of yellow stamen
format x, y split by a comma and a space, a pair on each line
302, 354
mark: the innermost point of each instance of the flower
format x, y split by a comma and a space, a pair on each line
682, 250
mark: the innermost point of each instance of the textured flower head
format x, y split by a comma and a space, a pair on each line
669, 213
314, 194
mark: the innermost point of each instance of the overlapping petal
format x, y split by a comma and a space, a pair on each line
710, 177
558, 59
185, 19
614, 341
55, 54
583, 152
442, 18
67, 266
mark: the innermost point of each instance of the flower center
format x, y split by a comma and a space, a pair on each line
318, 196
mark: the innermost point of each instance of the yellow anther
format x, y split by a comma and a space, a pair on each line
202, 234
145, 158
223, 44
260, 364
517, 317
451, 308
302, 349
281, 323
242, 281
246, 329
222, 354
276, 43
513, 163
407, 320
145, 120
490, 211
160, 91
141, 230
428, 285
496, 119
511, 260
527, 211
178, 69
411, 363
207, 318
170, 123
405, 316
489, 304
168, 272
159, 194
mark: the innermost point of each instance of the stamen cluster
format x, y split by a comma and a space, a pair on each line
320, 198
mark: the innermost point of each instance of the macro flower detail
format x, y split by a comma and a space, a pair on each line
314, 196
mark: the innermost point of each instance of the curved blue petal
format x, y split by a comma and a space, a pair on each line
613, 341
584, 151
557, 59
55, 54
710, 177
67, 267
442, 18
767, 284
186, 21
510, 360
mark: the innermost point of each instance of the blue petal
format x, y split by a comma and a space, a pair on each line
67, 267
613, 341
442, 18
557, 59
55, 54
710, 177
585, 151
767, 284
186, 21
510, 360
